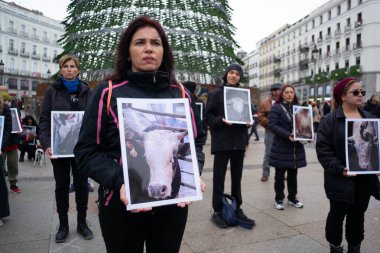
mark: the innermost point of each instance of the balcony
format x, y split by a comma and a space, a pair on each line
337, 33
358, 24
24, 54
12, 51
327, 54
347, 29
319, 40
24, 34
276, 59
46, 58
12, 30
304, 48
277, 72
357, 45
36, 56
328, 36
337, 52
346, 48
303, 64
35, 37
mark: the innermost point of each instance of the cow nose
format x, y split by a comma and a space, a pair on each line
157, 191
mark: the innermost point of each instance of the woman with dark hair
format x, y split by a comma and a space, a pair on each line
349, 196
28, 139
67, 93
143, 69
287, 154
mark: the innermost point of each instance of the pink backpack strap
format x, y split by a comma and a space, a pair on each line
109, 96
182, 90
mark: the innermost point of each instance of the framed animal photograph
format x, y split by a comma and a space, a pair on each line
1, 129
303, 123
30, 134
16, 123
158, 152
237, 105
65, 127
200, 109
362, 146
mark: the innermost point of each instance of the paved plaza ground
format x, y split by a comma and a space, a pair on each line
33, 221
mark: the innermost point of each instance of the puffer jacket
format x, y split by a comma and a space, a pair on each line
223, 136
57, 99
285, 154
98, 151
330, 148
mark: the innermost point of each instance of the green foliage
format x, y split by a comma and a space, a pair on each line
355, 70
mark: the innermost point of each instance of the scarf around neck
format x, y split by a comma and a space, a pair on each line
71, 86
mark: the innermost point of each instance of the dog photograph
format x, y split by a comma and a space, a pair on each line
65, 127
16, 123
362, 146
159, 159
237, 105
303, 123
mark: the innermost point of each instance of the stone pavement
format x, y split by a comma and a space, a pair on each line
33, 221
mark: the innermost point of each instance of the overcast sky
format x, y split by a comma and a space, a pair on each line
253, 19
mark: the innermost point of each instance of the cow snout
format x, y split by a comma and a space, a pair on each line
158, 191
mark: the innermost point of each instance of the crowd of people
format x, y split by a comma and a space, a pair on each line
144, 68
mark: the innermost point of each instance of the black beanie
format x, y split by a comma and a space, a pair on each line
233, 66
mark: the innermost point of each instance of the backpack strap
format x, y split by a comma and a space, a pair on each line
109, 96
183, 93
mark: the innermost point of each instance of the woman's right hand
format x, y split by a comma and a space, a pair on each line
124, 199
345, 173
48, 153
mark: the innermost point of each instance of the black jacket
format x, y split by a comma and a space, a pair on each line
98, 152
58, 99
223, 136
330, 149
7, 131
372, 108
285, 154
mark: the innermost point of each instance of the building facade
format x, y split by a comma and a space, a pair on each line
336, 40
28, 46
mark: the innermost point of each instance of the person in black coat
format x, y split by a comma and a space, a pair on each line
67, 93
28, 139
287, 154
373, 105
349, 195
228, 142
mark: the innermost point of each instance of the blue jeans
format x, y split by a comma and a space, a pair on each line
268, 146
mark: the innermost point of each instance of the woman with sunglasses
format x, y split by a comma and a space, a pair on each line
349, 195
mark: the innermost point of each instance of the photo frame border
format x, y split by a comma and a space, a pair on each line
2, 123
249, 104
310, 109
201, 110
18, 121
198, 196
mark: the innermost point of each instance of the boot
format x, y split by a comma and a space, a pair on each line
353, 249
63, 229
83, 229
336, 249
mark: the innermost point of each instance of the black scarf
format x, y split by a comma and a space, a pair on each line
158, 81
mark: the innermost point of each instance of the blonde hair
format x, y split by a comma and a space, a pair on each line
67, 57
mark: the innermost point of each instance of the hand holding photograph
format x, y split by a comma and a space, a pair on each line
237, 105
362, 146
303, 123
158, 152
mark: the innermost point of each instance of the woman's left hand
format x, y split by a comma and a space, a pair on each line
249, 124
203, 189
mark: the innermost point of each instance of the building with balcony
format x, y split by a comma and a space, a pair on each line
28, 46
336, 40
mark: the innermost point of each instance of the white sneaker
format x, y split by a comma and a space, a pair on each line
295, 203
279, 205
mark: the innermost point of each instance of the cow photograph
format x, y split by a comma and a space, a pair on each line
158, 152
303, 123
65, 127
16, 123
1, 129
237, 105
362, 146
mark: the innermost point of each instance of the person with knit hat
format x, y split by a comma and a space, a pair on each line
348, 195
228, 143
67, 93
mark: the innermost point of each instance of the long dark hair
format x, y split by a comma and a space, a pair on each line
280, 99
122, 58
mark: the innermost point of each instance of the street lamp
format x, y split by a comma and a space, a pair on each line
315, 54
1, 72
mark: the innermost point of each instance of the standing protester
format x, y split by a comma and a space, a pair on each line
143, 69
349, 196
373, 105
316, 115
67, 93
4, 201
10, 156
228, 142
262, 117
287, 154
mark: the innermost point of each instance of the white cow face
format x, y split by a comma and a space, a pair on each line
160, 146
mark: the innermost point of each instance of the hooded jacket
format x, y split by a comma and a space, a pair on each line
98, 151
58, 99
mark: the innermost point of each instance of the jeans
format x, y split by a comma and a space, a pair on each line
268, 146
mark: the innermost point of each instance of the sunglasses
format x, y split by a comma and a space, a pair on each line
357, 92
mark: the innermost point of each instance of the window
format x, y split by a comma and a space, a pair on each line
55, 53
348, 4
313, 24
11, 45
23, 45
34, 85
337, 65
320, 19
311, 91
328, 30
329, 15
24, 85
12, 83
328, 90
23, 66
347, 42
360, 17
328, 49
23, 29
320, 35
338, 26
338, 10
359, 40
45, 52
34, 51
360, 1
346, 64
357, 60
348, 22
312, 38
327, 69
337, 45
